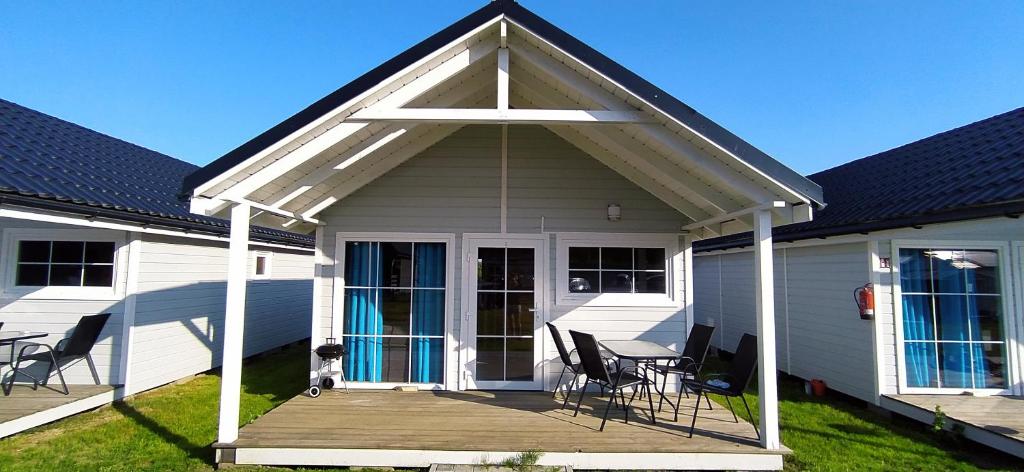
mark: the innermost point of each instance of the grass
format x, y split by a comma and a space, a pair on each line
833, 433
171, 428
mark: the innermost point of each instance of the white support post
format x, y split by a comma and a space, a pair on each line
316, 333
688, 281
764, 303
234, 324
503, 79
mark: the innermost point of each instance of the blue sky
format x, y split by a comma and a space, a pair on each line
814, 84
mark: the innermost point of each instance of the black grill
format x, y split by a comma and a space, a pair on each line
330, 351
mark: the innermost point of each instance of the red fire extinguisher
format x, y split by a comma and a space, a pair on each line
865, 298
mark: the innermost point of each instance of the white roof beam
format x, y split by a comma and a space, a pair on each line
497, 116
274, 210
736, 215
503, 67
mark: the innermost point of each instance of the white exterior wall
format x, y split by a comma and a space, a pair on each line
821, 335
180, 307
455, 188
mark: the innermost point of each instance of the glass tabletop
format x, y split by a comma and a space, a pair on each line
636, 349
11, 336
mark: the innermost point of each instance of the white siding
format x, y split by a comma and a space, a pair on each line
180, 307
59, 316
455, 187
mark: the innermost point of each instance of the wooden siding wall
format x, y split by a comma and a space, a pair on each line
455, 187
61, 315
180, 308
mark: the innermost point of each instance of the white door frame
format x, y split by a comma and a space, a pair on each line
1007, 295
467, 354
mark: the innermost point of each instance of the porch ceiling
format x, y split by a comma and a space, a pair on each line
498, 66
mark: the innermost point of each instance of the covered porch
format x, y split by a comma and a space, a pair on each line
418, 429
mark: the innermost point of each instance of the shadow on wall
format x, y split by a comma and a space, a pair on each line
177, 330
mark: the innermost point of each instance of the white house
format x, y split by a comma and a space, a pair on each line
91, 224
935, 227
495, 176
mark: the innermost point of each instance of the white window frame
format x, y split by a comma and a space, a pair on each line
673, 265
451, 354
1007, 294
268, 266
12, 236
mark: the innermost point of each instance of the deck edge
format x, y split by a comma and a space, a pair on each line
973, 432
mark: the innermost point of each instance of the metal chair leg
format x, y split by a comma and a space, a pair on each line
679, 397
650, 404
568, 393
583, 392
664, 384
696, 409
734, 418
751, 416
92, 368
558, 383
608, 408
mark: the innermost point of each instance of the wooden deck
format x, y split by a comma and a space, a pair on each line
995, 421
415, 429
26, 408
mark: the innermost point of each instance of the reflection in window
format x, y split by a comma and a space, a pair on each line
65, 264
617, 270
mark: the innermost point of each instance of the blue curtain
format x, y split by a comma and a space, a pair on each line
917, 318
363, 317
951, 317
428, 312
973, 317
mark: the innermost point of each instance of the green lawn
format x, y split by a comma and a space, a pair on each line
171, 428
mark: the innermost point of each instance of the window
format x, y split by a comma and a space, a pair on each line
394, 315
64, 263
261, 268
952, 318
616, 270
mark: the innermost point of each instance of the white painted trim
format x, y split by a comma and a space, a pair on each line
735, 215
578, 460
1006, 294
412, 68
688, 293
50, 415
234, 325
877, 335
497, 116
25, 213
504, 178
503, 73
316, 329
785, 307
10, 239
675, 263
134, 254
470, 242
764, 303
1017, 273
338, 296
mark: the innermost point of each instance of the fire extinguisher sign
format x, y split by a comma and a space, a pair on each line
884, 263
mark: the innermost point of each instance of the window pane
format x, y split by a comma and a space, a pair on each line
951, 317
519, 321
649, 282
921, 370
616, 258
396, 310
989, 366
357, 263
99, 276
359, 363
261, 265
915, 271
68, 251
520, 269
986, 322
946, 271
955, 359
584, 258
616, 281
491, 268
32, 275
396, 264
490, 313
519, 359
490, 358
99, 252
428, 312
982, 269
429, 265
360, 311
584, 281
66, 275
34, 251
427, 360
649, 258
917, 317
395, 360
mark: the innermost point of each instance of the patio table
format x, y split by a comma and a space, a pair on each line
641, 352
11, 337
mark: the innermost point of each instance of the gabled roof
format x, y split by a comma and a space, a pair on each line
974, 171
513, 11
49, 163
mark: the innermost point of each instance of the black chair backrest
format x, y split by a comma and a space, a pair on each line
85, 335
590, 356
744, 364
562, 352
697, 344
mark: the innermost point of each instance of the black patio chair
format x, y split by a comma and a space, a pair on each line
75, 347
596, 371
694, 352
573, 368
731, 384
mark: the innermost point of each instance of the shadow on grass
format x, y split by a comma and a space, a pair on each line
195, 451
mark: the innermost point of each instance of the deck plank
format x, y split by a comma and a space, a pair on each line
24, 401
997, 414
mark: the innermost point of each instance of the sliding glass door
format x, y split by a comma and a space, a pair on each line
953, 320
394, 311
